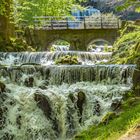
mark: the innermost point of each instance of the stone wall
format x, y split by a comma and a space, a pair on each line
78, 39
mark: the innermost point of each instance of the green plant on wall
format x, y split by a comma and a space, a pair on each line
105, 48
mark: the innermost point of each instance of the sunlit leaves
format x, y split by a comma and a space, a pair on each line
129, 3
4, 4
27, 9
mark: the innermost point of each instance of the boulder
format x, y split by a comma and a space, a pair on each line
97, 108
2, 87
107, 117
80, 102
44, 104
29, 82
116, 104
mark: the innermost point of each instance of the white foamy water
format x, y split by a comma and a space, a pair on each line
48, 58
24, 119
54, 102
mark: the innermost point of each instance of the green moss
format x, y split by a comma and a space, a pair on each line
109, 116
67, 59
117, 126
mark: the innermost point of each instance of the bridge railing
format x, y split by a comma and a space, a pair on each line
97, 21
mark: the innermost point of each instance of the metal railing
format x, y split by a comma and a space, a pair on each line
99, 21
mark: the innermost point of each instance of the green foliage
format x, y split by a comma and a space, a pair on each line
14, 45
25, 10
127, 47
62, 42
106, 48
129, 3
130, 117
2, 7
109, 116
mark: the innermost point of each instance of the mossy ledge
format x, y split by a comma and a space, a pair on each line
117, 126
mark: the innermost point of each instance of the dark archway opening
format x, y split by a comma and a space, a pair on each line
99, 45
59, 45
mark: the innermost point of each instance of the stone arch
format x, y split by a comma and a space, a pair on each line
53, 41
99, 39
102, 41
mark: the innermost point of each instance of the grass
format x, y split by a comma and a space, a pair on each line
129, 118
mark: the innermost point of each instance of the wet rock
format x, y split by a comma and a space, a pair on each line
7, 136
109, 116
2, 99
80, 102
3, 110
116, 104
136, 81
43, 104
44, 85
2, 87
97, 109
29, 82
72, 98
18, 121
2, 120
71, 109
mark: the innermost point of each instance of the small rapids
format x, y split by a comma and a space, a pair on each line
55, 102
48, 58
57, 112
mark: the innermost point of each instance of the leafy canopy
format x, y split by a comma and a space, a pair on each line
26, 9
130, 3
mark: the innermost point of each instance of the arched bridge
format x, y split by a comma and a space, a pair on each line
78, 31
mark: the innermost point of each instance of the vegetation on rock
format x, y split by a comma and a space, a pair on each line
14, 45
127, 47
109, 116
117, 126
67, 59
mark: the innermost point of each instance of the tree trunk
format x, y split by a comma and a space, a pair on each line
5, 22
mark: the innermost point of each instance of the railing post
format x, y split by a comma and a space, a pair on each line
67, 23
84, 23
118, 23
52, 23
101, 22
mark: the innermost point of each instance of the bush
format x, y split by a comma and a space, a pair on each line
67, 59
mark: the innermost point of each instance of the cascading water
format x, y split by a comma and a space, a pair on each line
54, 102
47, 58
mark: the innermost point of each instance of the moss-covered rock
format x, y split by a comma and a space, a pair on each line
67, 59
109, 116
2, 87
29, 82
116, 104
136, 81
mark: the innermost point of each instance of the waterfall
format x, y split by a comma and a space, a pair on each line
43, 101
48, 58
57, 75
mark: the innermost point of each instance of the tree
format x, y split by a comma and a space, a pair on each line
4, 18
130, 3
25, 10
